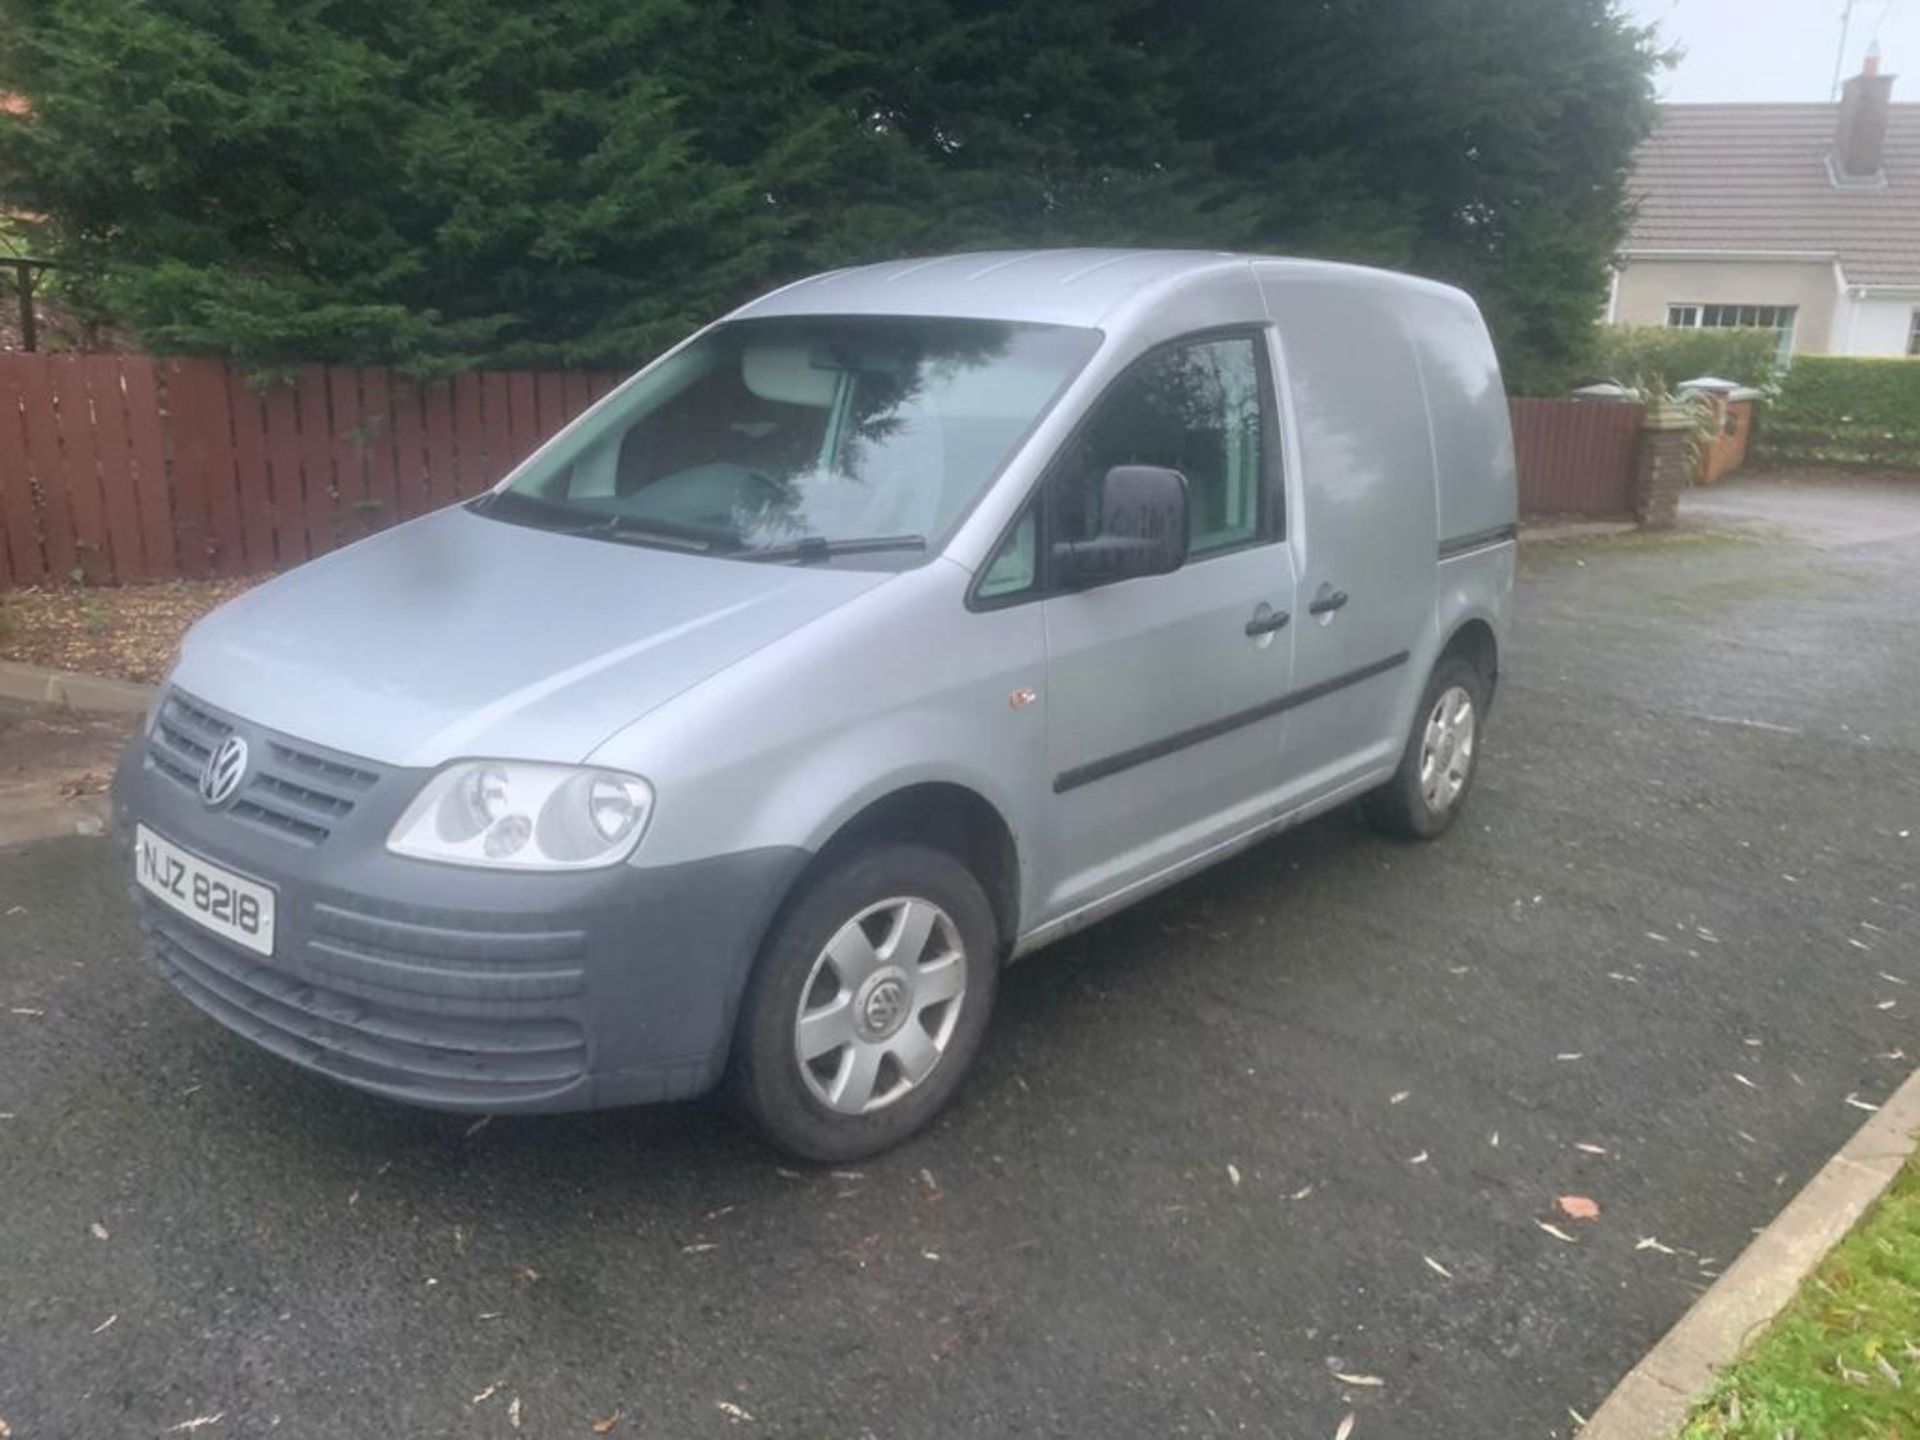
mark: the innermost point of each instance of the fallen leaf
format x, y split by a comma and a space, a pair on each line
106, 1324
1579, 1420
1891, 979
97, 1230
1570, 1055
1578, 1207
1857, 1103
513, 1412
1301, 1193
1398, 1096
1556, 1232
1342, 1432
488, 1393
1419, 1159
1893, 1375
1744, 1081
1583, 1146
1494, 1139
1363, 1381
606, 1423
198, 1422
1233, 1174
1647, 1242
1886, 1004
1437, 1268
733, 1412
526, 1275
27, 1010
699, 1248
6, 1430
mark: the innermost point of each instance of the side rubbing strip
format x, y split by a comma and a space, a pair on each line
1479, 540
1156, 749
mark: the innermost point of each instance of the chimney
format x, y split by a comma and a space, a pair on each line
1862, 132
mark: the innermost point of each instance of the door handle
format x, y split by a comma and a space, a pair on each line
1265, 622
1327, 601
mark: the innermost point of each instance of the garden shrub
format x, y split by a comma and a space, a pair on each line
1844, 410
1652, 357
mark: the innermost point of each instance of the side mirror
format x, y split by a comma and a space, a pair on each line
1143, 530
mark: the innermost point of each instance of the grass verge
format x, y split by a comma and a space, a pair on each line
1842, 1361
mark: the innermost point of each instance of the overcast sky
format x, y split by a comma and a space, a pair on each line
1780, 49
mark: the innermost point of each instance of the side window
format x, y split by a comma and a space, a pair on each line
1011, 570
1198, 408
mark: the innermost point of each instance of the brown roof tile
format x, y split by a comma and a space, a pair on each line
1754, 177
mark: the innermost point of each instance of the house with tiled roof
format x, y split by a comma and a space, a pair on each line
1804, 219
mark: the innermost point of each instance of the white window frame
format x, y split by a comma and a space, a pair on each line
1715, 315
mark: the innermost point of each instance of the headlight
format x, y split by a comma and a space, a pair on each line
516, 815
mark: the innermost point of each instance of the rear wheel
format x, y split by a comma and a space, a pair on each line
868, 1004
1437, 767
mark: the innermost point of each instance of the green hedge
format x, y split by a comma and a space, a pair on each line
1844, 410
1652, 357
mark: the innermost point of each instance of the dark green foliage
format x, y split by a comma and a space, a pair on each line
1844, 410
1656, 358
443, 181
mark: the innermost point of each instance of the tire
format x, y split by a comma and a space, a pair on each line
888, 1035
1411, 806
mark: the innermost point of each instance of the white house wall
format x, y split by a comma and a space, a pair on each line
1647, 287
1879, 325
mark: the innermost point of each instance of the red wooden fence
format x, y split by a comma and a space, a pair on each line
1576, 457
124, 467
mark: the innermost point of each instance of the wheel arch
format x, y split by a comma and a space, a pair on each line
1473, 640
948, 816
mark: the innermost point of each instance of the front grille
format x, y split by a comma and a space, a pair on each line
403, 1042
291, 790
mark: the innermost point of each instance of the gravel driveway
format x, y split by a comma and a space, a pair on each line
1281, 1145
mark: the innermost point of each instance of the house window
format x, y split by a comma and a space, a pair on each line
1777, 318
1913, 334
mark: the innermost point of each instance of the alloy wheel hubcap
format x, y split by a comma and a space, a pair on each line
1446, 749
880, 1005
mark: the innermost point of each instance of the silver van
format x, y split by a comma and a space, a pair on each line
907, 619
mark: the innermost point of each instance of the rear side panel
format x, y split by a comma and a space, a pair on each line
1476, 490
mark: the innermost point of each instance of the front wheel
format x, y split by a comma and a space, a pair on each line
1436, 769
868, 1003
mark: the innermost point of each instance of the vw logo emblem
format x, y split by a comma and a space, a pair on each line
226, 768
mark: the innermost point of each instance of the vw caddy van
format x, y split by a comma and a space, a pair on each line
901, 622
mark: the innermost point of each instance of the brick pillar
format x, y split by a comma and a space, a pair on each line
1665, 465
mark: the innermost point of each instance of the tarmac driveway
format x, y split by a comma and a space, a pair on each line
1276, 1147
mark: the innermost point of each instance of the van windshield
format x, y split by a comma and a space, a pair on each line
802, 437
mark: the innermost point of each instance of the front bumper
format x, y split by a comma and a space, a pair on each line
454, 988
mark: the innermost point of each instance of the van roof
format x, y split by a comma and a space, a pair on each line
1062, 287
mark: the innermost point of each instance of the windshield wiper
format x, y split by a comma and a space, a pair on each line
814, 548
544, 514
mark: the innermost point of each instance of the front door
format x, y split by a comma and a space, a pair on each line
1164, 694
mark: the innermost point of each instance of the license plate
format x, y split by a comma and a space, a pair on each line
232, 908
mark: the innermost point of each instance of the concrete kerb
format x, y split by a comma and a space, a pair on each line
1654, 1398
93, 693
